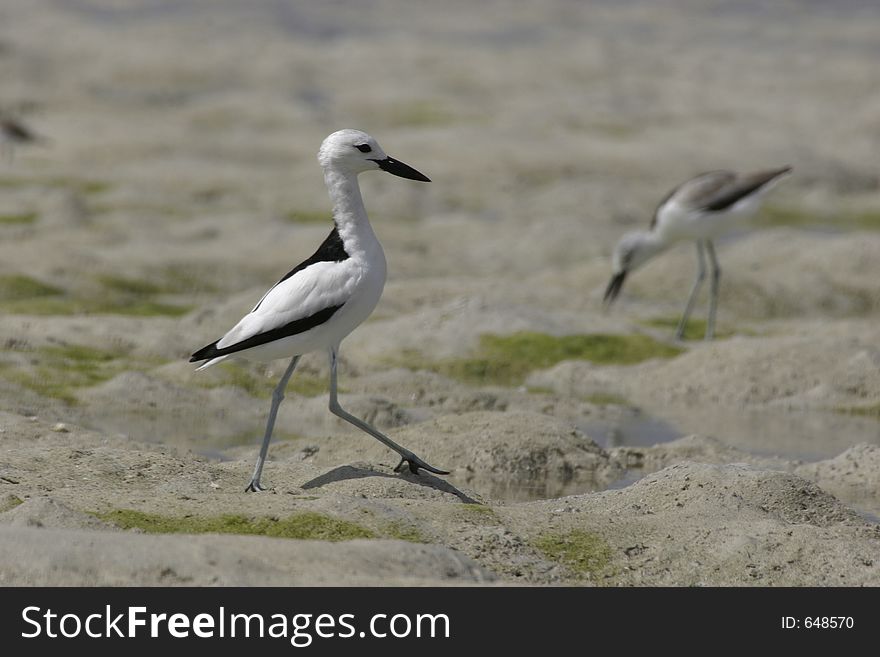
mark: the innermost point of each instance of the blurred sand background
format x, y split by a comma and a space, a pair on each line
181, 181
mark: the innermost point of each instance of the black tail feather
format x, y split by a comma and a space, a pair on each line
205, 353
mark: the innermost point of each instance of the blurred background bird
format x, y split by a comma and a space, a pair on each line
14, 132
699, 210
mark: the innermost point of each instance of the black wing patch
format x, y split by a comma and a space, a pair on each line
300, 325
743, 188
332, 249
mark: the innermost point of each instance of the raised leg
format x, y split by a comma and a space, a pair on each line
695, 290
406, 456
277, 398
713, 290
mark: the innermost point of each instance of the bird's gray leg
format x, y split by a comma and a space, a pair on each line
713, 290
406, 456
277, 398
698, 282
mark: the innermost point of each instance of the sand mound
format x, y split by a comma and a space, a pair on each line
853, 476
77, 558
495, 453
689, 523
722, 525
49, 513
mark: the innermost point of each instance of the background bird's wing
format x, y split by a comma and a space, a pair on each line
742, 186
704, 189
694, 192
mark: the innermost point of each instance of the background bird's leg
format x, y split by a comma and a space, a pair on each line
713, 290
406, 456
698, 282
277, 398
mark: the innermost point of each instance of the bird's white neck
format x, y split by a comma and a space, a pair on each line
650, 244
349, 212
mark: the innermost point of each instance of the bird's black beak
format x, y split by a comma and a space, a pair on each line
398, 168
613, 289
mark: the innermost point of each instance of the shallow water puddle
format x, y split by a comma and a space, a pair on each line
795, 435
632, 430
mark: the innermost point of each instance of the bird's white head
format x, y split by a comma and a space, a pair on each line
632, 251
354, 151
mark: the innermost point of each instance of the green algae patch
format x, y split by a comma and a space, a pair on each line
92, 186
58, 371
583, 552
114, 296
478, 513
310, 385
9, 502
866, 220
129, 286
18, 219
308, 525
872, 411
695, 329
479, 509
785, 215
782, 215
187, 278
238, 375
83, 354
255, 437
140, 309
75, 184
404, 532
606, 399
507, 359
17, 288
41, 304
83, 186
257, 385
140, 208
132, 296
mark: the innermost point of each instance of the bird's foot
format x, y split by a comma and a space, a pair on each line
254, 487
414, 463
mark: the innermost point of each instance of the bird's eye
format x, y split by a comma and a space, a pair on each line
363, 148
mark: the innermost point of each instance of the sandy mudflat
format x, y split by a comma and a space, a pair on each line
181, 181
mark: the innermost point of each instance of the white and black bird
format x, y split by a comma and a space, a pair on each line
699, 210
324, 298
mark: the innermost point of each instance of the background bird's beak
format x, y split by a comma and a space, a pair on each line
398, 168
613, 289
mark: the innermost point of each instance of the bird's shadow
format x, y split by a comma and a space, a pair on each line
344, 472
